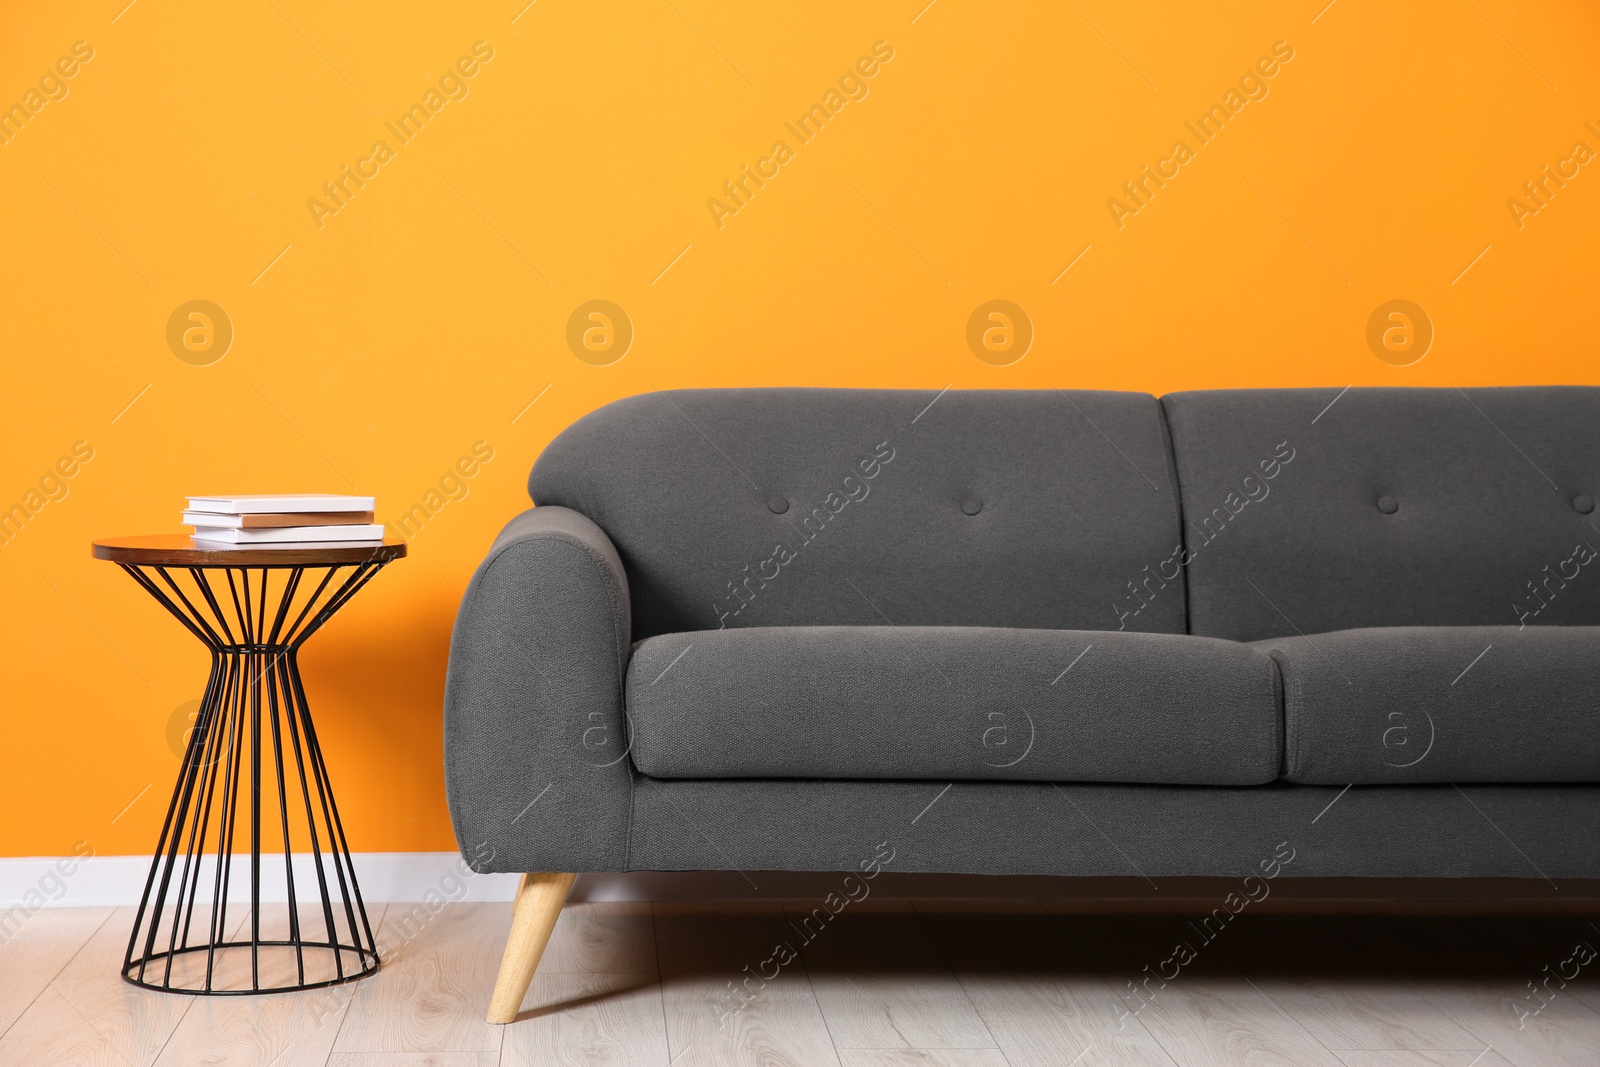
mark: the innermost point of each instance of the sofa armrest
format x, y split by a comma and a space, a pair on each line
535, 740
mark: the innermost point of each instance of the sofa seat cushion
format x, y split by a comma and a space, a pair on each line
953, 702
1410, 704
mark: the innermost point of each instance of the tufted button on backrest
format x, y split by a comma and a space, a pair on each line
837, 507
1286, 494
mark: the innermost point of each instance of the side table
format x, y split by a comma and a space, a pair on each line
253, 608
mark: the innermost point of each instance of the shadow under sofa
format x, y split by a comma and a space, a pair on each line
1038, 632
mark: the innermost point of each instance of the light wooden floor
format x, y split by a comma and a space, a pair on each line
884, 984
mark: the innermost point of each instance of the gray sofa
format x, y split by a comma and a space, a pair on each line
1042, 632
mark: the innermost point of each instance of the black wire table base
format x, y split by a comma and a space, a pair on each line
252, 777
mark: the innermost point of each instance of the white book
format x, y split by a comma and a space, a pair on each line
262, 519
293, 502
284, 535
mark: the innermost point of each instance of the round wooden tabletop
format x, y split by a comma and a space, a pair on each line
181, 550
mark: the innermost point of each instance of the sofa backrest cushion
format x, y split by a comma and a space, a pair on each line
1313, 510
821, 507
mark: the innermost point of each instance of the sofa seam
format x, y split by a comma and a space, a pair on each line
1300, 732
1281, 706
633, 803
1291, 681
1170, 446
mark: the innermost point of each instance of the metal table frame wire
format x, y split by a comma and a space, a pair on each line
254, 689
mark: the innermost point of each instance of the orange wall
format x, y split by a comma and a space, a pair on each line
424, 314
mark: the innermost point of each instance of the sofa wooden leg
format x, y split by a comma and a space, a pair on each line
533, 915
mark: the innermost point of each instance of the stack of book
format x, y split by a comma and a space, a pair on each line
284, 520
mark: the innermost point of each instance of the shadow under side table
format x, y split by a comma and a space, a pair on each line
252, 738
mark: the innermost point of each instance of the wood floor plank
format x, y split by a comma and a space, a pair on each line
414, 1059
432, 992
285, 1030
102, 955
36, 948
93, 1022
1045, 1005
1047, 984
602, 938
880, 981
612, 1019
922, 1057
1478, 989
729, 1001
90, 1015
1223, 1020
1205, 1013
1340, 997
1434, 1058
1548, 951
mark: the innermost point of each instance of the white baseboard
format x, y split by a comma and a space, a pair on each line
32, 882
35, 882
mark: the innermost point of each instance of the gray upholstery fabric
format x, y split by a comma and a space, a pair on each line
1498, 831
1304, 512
1442, 704
1073, 500
534, 740
953, 702
1483, 483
